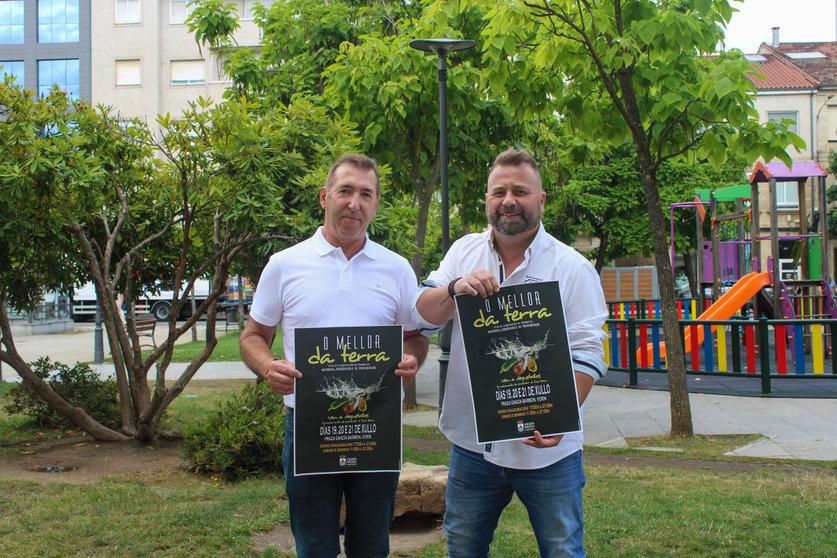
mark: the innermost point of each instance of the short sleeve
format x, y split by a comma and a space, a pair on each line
266, 308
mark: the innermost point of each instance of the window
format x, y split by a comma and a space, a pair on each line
63, 73
128, 11
180, 11
128, 72
58, 21
787, 194
12, 68
187, 72
11, 22
779, 116
249, 13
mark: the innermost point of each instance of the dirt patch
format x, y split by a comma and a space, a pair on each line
593, 458
83, 460
407, 535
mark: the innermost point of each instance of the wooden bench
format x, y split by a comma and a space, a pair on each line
146, 324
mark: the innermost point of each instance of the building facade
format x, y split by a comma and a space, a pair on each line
147, 61
136, 56
797, 84
44, 43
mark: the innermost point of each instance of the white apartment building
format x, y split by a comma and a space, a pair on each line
137, 56
146, 62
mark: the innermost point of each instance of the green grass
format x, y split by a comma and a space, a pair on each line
426, 432
709, 447
645, 512
629, 512
16, 429
666, 512
199, 401
226, 350
425, 457
167, 515
700, 447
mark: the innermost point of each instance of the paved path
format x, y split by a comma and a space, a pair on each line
801, 428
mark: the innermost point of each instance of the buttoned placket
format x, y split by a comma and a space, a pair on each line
500, 270
345, 268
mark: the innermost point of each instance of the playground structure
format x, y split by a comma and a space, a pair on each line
754, 317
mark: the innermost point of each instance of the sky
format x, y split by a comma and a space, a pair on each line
798, 21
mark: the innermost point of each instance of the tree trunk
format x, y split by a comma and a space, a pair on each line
681, 413
600, 254
424, 195
690, 273
241, 321
75, 415
194, 307
425, 198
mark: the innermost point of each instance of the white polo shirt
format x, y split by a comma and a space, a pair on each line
312, 284
546, 259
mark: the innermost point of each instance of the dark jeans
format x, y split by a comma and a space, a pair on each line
314, 505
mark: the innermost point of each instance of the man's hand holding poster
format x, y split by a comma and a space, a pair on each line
519, 362
348, 402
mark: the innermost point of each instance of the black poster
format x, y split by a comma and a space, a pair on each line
347, 417
519, 362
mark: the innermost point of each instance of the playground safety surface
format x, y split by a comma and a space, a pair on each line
787, 386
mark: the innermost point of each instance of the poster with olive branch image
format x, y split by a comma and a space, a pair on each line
347, 416
519, 362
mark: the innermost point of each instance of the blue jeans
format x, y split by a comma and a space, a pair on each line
314, 507
478, 491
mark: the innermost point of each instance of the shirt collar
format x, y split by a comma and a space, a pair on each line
324, 247
533, 246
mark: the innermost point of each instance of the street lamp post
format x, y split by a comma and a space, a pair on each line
443, 47
98, 341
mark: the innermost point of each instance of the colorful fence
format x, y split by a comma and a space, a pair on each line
762, 348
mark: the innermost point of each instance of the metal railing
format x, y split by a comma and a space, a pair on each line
763, 348
44, 312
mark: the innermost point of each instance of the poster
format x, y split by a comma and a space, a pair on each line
348, 402
519, 362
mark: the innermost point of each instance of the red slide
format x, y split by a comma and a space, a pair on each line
739, 294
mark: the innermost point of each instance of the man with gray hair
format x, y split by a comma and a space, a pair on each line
545, 471
338, 277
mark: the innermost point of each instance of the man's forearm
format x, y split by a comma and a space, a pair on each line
435, 305
583, 385
416, 344
255, 348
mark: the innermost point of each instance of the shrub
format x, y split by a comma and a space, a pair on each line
244, 439
79, 385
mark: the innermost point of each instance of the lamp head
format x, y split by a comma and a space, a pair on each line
441, 47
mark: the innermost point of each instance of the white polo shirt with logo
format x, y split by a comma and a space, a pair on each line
312, 284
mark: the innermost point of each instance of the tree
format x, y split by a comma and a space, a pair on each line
383, 85
606, 200
37, 161
354, 57
102, 206
831, 194
647, 73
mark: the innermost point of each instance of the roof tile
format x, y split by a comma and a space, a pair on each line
822, 69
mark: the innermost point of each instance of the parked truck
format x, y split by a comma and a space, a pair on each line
158, 304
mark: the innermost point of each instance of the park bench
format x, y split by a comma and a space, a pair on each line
146, 324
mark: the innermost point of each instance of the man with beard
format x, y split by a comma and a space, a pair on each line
545, 471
